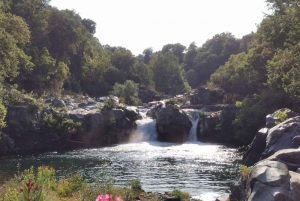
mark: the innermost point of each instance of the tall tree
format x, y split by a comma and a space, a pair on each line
168, 75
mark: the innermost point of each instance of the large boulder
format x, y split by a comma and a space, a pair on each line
276, 177
269, 180
173, 124
256, 149
132, 113
282, 136
103, 128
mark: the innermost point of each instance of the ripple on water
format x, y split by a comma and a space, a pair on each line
203, 169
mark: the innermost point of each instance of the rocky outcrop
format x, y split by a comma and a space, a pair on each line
272, 179
204, 96
256, 148
276, 177
148, 94
26, 128
173, 124
271, 119
103, 128
282, 136
132, 113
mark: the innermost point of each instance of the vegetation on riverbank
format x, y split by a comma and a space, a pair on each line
41, 184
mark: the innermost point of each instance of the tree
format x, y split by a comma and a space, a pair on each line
14, 34
128, 91
168, 75
190, 56
214, 53
90, 25
147, 54
176, 49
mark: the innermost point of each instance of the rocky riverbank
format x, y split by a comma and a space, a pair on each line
66, 123
275, 159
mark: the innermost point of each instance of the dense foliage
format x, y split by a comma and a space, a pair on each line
41, 184
49, 51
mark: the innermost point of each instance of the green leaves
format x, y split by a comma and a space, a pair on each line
129, 91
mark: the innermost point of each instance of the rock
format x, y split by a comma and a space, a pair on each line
281, 136
206, 125
271, 173
224, 198
268, 193
290, 157
237, 188
296, 142
204, 96
148, 94
269, 181
151, 113
271, 119
58, 103
173, 124
257, 147
103, 128
172, 199
132, 113
295, 185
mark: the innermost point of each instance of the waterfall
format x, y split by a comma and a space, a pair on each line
194, 118
146, 129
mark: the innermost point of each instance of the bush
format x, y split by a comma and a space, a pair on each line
181, 194
136, 185
67, 187
248, 121
109, 105
172, 101
128, 92
245, 171
282, 116
225, 130
57, 128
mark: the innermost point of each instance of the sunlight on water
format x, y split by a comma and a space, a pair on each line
205, 170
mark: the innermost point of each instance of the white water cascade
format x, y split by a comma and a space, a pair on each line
194, 116
146, 129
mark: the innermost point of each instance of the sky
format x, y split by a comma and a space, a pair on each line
140, 24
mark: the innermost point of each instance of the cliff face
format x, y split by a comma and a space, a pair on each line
103, 128
275, 159
26, 128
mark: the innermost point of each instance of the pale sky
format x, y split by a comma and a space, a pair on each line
139, 24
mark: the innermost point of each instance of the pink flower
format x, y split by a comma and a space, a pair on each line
118, 199
107, 197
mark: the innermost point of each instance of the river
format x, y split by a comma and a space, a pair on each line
205, 170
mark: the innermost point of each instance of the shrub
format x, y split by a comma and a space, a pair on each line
36, 185
57, 128
67, 187
248, 121
109, 105
178, 193
136, 185
245, 170
282, 116
128, 92
172, 101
